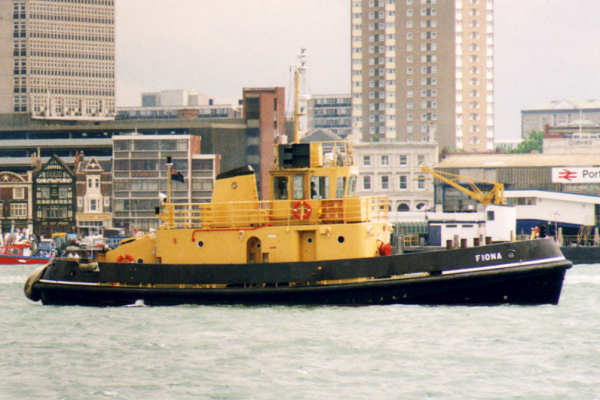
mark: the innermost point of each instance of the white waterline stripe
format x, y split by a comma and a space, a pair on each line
502, 266
74, 283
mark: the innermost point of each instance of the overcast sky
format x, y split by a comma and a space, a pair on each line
545, 49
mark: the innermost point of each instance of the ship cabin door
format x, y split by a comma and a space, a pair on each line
253, 251
308, 251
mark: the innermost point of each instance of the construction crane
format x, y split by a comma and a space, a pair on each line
493, 196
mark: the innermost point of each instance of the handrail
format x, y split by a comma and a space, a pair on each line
253, 214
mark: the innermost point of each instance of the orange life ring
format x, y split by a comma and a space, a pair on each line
127, 258
307, 209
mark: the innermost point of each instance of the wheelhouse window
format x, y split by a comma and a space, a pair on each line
340, 187
280, 190
319, 187
298, 189
352, 186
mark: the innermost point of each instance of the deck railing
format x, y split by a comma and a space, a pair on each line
252, 214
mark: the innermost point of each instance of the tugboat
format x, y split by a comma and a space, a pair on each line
314, 242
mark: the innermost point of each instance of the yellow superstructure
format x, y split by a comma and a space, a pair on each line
313, 215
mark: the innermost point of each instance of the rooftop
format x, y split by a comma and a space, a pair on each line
567, 104
518, 160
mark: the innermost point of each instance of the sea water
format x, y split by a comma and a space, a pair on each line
276, 352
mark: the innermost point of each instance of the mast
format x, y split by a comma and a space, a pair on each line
300, 69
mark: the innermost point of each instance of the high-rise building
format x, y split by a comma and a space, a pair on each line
332, 112
424, 70
58, 58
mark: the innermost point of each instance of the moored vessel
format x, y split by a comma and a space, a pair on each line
23, 253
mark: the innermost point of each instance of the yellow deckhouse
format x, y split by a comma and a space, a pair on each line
313, 215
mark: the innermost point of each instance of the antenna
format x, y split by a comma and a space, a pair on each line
299, 78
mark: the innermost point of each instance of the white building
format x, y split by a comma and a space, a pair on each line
393, 169
175, 98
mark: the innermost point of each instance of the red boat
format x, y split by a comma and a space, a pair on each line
20, 253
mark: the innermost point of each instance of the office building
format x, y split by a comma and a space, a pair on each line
331, 112
264, 114
423, 70
574, 115
221, 111
174, 98
140, 173
58, 58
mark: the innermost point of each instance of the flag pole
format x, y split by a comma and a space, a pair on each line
169, 166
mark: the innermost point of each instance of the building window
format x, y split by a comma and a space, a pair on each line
366, 182
403, 159
93, 205
420, 159
18, 210
18, 193
421, 182
366, 161
403, 207
403, 182
385, 160
385, 182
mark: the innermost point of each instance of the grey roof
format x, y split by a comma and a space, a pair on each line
26, 161
53, 143
518, 160
567, 104
320, 135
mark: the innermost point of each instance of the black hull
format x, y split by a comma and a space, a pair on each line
528, 272
582, 254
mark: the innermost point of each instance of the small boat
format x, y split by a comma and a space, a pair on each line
22, 253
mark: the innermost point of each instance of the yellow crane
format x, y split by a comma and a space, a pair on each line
493, 196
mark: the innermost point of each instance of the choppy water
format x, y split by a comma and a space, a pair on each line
236, 352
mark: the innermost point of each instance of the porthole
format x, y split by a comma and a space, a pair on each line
258, 245
200, 243
140, 260
341, 239
309, 240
